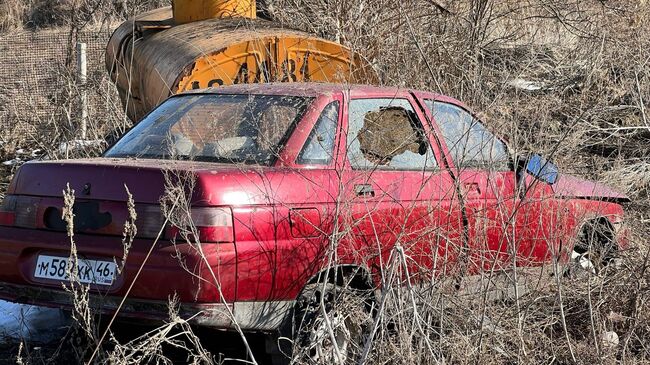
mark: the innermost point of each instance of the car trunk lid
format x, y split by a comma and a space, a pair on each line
101, 188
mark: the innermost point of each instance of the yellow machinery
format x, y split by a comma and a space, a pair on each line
187, 11
208, 43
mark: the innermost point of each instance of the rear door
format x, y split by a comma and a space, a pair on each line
303, 190
397, 194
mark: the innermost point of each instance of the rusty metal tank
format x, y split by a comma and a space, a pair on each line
198, 45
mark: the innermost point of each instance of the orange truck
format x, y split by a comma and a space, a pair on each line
197, 44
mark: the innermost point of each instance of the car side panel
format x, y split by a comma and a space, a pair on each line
415, 210
274, 260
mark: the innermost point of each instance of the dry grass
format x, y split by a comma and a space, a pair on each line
589, 113
16, 14
11, 13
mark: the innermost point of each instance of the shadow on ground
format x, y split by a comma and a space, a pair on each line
45, 336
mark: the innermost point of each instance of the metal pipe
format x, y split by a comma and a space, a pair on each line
81, 79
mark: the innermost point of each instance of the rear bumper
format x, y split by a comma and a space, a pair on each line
164, 274
249, 316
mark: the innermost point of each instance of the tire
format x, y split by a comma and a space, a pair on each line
594, 251
342, 317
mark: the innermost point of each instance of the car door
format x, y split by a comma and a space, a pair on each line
305, 213
510, 219
487, 183
404, 214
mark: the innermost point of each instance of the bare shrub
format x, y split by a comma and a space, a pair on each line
17, 14
11, 14
565, 79
47, 13
148, 348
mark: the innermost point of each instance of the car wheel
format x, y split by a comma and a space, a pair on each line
329, 325
594, 252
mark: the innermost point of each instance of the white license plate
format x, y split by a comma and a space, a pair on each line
89, 271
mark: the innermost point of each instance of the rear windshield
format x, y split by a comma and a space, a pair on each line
246, 129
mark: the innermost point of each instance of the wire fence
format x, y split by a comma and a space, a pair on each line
38, 73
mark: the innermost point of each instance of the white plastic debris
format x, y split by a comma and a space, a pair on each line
584, 262
80, 144
32, 323
610, 339
527, 85
13, 162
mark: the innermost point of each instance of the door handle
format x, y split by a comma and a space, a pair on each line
472, 189
364, 190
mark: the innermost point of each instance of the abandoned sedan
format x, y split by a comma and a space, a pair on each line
249, 201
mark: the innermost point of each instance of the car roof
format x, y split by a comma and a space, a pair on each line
313, 89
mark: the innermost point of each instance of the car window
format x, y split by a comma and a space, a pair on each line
213, 127
470, 144
386, 134
319, 147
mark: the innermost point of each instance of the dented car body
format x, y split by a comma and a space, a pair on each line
289, 181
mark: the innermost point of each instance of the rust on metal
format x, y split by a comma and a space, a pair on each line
148, 65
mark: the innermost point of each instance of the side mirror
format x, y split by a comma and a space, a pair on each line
542, 169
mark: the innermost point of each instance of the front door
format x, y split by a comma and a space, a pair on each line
508, 227
405, 214
485, 180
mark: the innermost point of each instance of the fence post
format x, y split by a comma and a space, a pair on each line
81, 78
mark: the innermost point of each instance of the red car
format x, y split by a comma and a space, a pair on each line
289, 185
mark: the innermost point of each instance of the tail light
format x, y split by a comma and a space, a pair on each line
149, 221
212, 224
19, 211
8, 211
